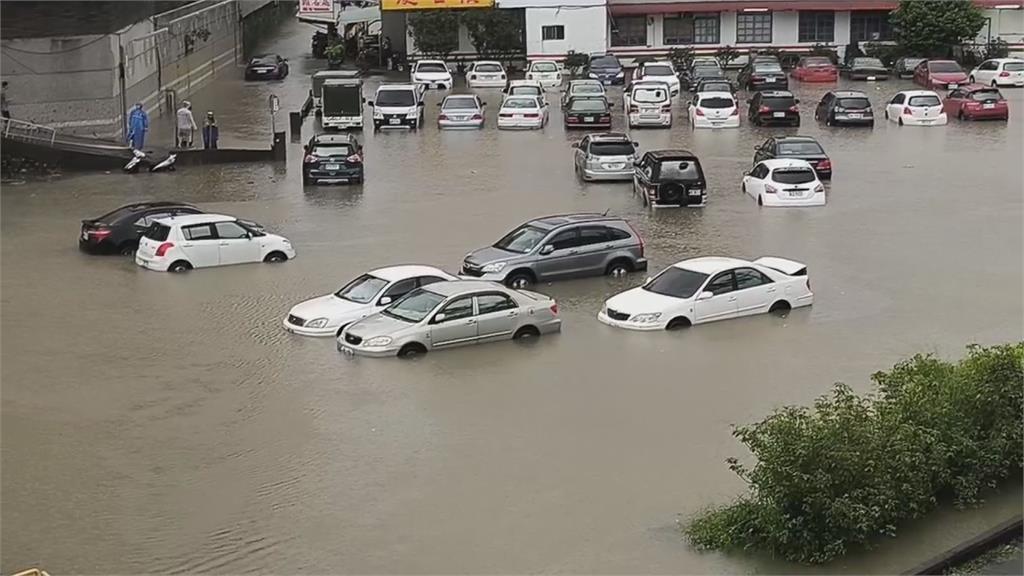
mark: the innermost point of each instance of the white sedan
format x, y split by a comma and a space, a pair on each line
181, 243
660, 71
707, 289
368, 294
714, 110
522, 112
432, 74
486, 74
916, 108
784, 182
546, 72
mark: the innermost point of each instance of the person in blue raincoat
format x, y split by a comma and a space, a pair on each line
138, 125
210, 132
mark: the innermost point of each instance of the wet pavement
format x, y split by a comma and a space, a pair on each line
159, 423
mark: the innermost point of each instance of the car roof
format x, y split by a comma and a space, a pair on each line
794, 138
711, 264
521, 97
486, 62
456, 287
728, 95
325, 138
190, 219
524, 83
943, 60
849, 94
1005, 60
397, 87
147, 205
776, 94
392, 273
786, 163
556, 220
917, 93
609, 137
672, 154
545, 60
430, 61
337, 74
585, 81
462, 95
977, 87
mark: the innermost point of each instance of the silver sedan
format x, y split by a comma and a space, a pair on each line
448, 314
461, 111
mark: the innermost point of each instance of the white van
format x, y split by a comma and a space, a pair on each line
648, 103
324, 75
398, 106
342, 103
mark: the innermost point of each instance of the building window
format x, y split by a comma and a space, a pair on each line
552, 32
817, 27
629, 31
754, 28
870, 25
690, 28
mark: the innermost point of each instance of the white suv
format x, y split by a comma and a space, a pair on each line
200, 240
432, 74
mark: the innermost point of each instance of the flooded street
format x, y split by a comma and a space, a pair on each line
167, 423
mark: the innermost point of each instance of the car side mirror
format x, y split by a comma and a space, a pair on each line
648, 280
636, 144
439, 104
438, 318
706, 295
796, 101
546, 249
384, 301
248, 235
746, 172
421, 104
369, 102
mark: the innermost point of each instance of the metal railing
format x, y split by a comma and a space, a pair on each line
27, 132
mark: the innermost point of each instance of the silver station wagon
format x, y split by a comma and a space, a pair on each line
448, 314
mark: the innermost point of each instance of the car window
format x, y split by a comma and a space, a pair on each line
593, 235
487, 68
649, 95
599, 148
759, 171
587, 88
458, 309
986, 95
720, 284
929, 100
524, 91
431, 67
588, 105
749, 278
158, 232
870, 62
898, 99
793, 175
679, 170
607, 61
520, 103
1013, 66
401, 288
676, 282
799, 148
145, 221
522, 239
198, 232
715, 87
942, 67
489, 303
956, 94
395, 98
415, 306
614, 234
543, 67
459, 104
362, 289
779, 103
328, 150
230, 230
854, 103
767, 68
565, 239
657, 70
428, 280
816, 62
716, 102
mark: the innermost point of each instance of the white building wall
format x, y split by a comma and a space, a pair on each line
585, 22
784, 28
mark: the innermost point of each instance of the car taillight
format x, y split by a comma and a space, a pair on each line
907, 110
502, 77
531, 115
472, 76
825, 164
638, 237
756, 78
572, 119
1004, 74
808, 282
698, 112
819, 188
633, 109
604, 118
666, 107
309, 159
162, 249
99, 233
794, 108
735, 112
770, 189
476, 117
554, 308
442, 116
356, 158
764, 109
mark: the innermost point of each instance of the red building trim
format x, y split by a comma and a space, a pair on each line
739, 5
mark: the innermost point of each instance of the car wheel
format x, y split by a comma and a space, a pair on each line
760, 200
900, 122
994, 85
179, 266
128, 248
618, 268
412, 350
970, 80
678, 323
886, 114
960, 115
780, 307
829, 121
526, 332
519, 280
275, 256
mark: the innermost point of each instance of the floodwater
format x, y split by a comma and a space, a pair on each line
159, 423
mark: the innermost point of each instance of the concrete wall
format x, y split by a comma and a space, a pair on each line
585, 30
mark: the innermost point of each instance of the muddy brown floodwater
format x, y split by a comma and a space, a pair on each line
159, 423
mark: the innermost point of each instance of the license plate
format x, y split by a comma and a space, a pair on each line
332, 167
795, 193
988, 106
262, 71
769, 79
613, 166
871, 77
779, 114
953, 86
855, 115
606, 82
394, 120
588, 119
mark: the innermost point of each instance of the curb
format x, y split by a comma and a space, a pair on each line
1000, 534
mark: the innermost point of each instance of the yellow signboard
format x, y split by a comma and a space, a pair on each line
433, 4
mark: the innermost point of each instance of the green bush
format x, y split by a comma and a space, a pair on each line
575, 62
836, 476
996, 48
681, 57
725, 55
887, 53
823, 50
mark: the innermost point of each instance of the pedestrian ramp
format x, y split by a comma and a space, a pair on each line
47, 144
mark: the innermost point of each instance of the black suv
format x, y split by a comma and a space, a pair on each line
796, 147
763, 75
845, 107
773, 107
670, 178
118, 232
332, 158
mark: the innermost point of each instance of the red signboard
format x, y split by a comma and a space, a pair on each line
316, 7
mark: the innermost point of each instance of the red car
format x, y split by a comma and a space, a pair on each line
815, 69
941, 74
976, 102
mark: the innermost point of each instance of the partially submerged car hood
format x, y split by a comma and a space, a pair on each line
640, 301
489, 255
378, 325
331, 307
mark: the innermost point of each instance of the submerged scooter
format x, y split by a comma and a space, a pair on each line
167, 164
133, 165
139, 157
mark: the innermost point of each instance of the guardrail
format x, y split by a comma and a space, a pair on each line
28, 132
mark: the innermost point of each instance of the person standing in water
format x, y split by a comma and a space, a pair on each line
186, 125
138, 125
210, 132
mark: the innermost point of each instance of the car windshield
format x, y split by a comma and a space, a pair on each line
854, 103
611, 148
524, 91
793, 175
544, 67
588, 105
487, 68
716, 87
717, 102
986, 95
704, 71
649, 95
767, 68
944, 67
817, 62
869, 62
605, 62
414, 306
112, 217
264, 61
586, 88
520, 103
657, 70
158, 232
1013, 66
331, 150
676, 282
912, 62
431, 67
362, 289
680, 170
522, 239
778, 102
799, 148
924, 101
459, 104
395, 98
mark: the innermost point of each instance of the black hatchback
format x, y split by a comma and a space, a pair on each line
332, 158
773, 107
797, 148
845, 107
118, 232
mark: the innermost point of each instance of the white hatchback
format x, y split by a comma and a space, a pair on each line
546, 72
522, 112
714, 110
916, 108
999, 72
486, 74
181, 243
784, 182
432, 74
368, 294
707, 289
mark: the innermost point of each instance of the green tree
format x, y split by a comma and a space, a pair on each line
496, 34
435, 32
932, 28
725, 55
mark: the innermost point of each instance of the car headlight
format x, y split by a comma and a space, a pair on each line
317, 323
646, 318
496, 267
378, 341
378, 114
412, 115
594, 76
621, 74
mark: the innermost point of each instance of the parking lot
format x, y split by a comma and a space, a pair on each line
157, 422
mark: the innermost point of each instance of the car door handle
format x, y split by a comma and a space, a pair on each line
470, 322
571, 252
225, 244
609, 245
513, 314
770, 290
732, 299
187, 245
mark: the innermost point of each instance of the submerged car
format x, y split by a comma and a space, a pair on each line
658, 71
815, 69
604, 157
999, 72
486, 74
706, 289
461, 111
670, 178
365, 295
606, 68
761, 75
576, 88
773, 107
118, 231
266, 67
916, 108
525, 88
784, 182
527, 112
557, 248
449, 314
547, 72
431, 74
796, 147
700, 74
715, 85
904, 67
845, 107
940, 74
976, 102
587, 112
332, 158
648, 104
866, 69
714, 110
178, 244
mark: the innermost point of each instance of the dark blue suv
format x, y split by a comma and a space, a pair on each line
607, 69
